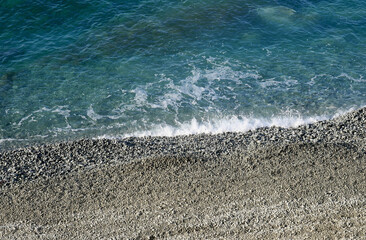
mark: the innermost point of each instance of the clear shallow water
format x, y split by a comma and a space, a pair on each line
110, 69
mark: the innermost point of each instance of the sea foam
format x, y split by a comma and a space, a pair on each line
227, 124
215, 126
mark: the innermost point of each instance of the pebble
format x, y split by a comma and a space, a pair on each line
62, 158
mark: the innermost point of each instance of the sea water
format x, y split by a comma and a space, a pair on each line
88, 68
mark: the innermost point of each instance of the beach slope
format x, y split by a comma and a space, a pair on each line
304, 182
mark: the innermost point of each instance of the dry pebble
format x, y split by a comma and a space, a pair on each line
269, 183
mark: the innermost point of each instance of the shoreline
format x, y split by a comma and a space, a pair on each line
271, 182
211, 127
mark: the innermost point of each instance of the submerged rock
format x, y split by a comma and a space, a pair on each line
250, 37
11, 3
277, 14
7, 78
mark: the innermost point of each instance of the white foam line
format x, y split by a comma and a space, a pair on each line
232, 124
229, 124
11, 140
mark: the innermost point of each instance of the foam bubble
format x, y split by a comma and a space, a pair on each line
269, 83
61, 110
140, 96
354, 79
219, 81
93, 115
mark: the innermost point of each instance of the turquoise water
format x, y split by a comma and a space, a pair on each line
72, 69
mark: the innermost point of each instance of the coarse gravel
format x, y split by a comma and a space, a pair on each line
303, 182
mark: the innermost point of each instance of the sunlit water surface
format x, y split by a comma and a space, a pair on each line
72, 69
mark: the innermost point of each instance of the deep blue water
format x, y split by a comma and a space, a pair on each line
72, 69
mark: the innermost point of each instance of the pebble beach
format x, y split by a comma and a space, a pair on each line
289, 183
